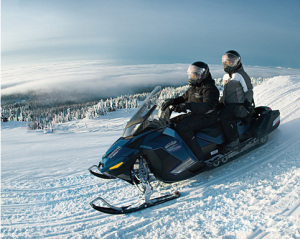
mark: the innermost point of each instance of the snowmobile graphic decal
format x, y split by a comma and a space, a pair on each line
173, 146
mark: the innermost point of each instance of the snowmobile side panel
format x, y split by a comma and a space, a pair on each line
215, 135
170, 132
169, 141
218, 139
212, 134
243, 128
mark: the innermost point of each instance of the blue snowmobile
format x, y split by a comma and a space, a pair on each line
150, 149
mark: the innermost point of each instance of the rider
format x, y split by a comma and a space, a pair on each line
201, 99
237, 96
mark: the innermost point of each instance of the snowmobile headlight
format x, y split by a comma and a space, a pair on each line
116, 166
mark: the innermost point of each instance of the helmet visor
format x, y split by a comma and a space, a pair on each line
230, 60
195, 72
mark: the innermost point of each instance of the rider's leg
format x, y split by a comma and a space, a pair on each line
186, 128
228, 123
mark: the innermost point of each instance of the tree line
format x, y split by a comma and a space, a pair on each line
46, 117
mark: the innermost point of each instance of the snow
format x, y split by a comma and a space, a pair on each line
46, 187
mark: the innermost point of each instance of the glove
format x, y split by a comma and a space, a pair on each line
182, 107
167, 103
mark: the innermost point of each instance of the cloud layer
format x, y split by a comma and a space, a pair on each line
96, 79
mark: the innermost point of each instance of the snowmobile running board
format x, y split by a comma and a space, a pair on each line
243, 148
129, 209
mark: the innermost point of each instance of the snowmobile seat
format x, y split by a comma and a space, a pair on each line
212, 134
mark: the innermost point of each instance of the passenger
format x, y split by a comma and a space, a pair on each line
201, 99
237, 97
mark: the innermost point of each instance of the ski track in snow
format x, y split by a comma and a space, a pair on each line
46, 188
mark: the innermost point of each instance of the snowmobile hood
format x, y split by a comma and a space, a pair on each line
117, 154
117, 149
113, 149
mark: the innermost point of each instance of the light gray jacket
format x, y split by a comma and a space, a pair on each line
237, 87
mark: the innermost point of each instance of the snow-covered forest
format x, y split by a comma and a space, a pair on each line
46, 117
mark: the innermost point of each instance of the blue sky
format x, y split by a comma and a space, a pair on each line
265, 33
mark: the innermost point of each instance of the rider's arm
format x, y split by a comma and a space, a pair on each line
245, 82
210, 101
181, 99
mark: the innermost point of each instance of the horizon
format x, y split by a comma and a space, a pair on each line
96, 79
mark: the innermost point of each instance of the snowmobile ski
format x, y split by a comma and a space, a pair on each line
131, 208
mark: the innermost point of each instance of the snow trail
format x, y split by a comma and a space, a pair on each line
46, 188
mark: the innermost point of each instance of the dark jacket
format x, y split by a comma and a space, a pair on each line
203, 98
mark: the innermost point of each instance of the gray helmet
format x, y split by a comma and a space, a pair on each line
231, 61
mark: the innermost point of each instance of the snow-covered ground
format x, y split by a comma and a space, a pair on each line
46, 187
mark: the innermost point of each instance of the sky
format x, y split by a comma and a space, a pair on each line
90, 49
265, 33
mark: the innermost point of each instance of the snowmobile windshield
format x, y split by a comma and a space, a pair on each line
138, 121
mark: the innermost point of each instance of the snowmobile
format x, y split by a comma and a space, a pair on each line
150, 149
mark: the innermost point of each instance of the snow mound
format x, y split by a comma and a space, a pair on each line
46, 188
